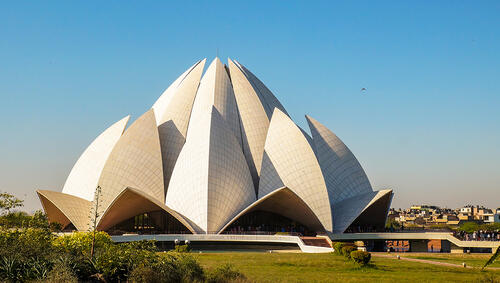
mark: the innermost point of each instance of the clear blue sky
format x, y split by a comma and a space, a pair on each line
428, 125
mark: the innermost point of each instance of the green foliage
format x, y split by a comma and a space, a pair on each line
18, 219
117, 260
490, 227
469, 227
143, 274
361, 257
182, 248
337, 247
25, 254
30, 251
168, 267
78, 243
346, 251
37, 254
442, 226
112, 262
61, 273
392, 224
224, 273
189, 268
8, 202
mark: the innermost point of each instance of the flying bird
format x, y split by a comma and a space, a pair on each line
363, 89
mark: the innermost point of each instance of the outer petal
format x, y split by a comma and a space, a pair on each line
65, 209
83, 178
134, 162
132, 202
295, 163
344, 175
211, 182
368, 209
286, 203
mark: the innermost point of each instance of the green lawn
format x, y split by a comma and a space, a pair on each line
300, 267
476, 260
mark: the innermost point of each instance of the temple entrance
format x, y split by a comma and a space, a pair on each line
155, 222
264, 222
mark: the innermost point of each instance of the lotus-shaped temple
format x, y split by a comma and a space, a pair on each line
218, 154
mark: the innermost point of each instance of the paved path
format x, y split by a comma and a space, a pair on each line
428, 261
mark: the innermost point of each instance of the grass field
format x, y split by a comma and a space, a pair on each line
301, 267
475, 260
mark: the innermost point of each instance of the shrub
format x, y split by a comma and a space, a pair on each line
143, 274
182, 248
361, 257
168, 267
61, 273
189, 268
337, 247
346, 251
224, 273
116, 261
25, 254
469, 227
79, 243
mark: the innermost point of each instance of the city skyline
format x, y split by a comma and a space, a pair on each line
413, 91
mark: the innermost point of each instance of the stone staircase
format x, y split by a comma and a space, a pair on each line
316, 241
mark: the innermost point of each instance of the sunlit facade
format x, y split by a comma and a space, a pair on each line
218, 154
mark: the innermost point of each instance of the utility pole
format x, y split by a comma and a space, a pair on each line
94, 216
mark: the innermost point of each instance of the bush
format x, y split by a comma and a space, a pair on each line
189, 268
346, 251
116, 261
224, 273
182, 248
469, 227
25, 254
61, 273
361, 257
168, 267
337, 247
143, 274
490, 227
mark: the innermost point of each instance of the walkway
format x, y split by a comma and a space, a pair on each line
415, 236
279, 239
394, 256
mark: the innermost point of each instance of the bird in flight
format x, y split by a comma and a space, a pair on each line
363, 89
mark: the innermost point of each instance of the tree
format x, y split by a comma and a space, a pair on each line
469, 227
392, 224
8, 202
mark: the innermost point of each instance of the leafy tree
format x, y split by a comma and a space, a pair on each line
490, 227
392, 224
469, 227
8, 202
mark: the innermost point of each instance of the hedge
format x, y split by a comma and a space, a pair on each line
361, 257
346, 251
